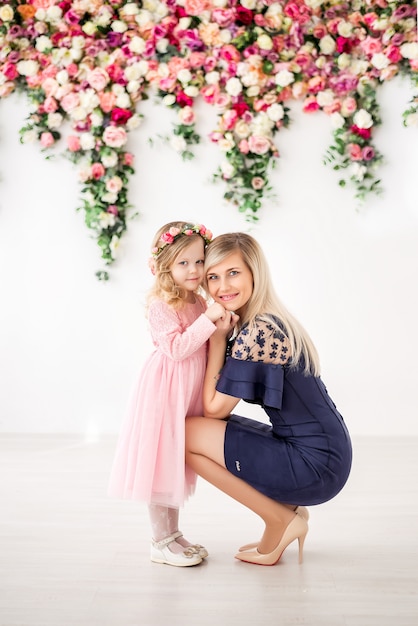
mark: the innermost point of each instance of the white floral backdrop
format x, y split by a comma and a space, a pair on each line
70, 346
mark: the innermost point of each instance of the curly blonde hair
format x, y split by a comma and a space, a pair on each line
164, 287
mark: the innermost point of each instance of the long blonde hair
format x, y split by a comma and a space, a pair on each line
163, 257
264, 302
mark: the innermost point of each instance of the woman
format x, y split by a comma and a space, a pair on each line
304, 456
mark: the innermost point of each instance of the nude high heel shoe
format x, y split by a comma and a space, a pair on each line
297, 529
300, 510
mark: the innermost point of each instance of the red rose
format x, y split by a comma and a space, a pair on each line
120, 116
366, 133
183, 100
240, 108
243, 15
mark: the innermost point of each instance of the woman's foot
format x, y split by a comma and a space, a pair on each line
300, 510
297, 529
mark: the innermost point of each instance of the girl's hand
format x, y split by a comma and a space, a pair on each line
226, 323
215, 312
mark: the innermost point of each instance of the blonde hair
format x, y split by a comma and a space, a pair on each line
164, 287
263, 303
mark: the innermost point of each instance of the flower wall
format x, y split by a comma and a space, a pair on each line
86, 65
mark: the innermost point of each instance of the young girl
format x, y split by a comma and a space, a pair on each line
149, 463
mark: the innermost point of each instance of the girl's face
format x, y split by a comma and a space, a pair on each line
230, 282
187, 267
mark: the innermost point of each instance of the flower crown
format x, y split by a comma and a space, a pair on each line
174, 233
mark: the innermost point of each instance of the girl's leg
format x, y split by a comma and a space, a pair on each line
161, 524
205, 454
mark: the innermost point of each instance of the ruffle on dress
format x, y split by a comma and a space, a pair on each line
252, 381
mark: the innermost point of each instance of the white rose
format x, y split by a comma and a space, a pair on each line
337, 120
184, 23
261, 125
43, 43
233, 86
380, 24
62, 77
344, 28
212, 78
96, 118
54, 120
327, 45
30, 136
53, 14
358, 171
219, 4
89, 99
411, 119
363, 119
264, 42
275, 112
131, 8
226, 144
161, 11
343, 61
123, 101
358, 67
87, 141
78, 114
133, 86
227, 169
104, 17
380, 61
118, 26
150, 5
27, 68
144, 17
249, 4
137, 45
110, 198
106, 220
253, 91
184, 76
192, 91
409, 50
241, 129
178, 143
109, 159
225, 35
89, 28
6, 13
168, 100
325, 98
284, 78
162, 45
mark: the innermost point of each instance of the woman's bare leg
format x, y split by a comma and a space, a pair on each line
205, 454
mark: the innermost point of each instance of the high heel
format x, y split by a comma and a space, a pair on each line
300, 510
297, 529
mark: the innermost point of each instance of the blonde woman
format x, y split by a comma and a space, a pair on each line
303, 457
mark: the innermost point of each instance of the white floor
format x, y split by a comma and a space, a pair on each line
71, 556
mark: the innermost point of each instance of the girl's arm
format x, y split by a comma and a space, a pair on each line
171, 337
216, 404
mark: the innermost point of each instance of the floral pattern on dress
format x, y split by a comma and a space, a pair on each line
265, 343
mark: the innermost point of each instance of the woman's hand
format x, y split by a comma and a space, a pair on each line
225, 324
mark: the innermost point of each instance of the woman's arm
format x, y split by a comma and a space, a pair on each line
216, 404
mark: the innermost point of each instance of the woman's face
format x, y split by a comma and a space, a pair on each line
230, 282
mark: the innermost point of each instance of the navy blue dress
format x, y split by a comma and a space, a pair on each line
303, 456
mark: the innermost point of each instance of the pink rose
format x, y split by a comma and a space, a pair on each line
50, 105
73, 143
310, 105
47, 140
348, 106
115, 136
367, 153
243, 146
258, 182
10, 71
258, 144
223, 17
98, 78
128, 159
371, 45
354, 151
393, 54
196, 7
70, 101
97, 171
114, 184
197, 59
107, 101
229, 119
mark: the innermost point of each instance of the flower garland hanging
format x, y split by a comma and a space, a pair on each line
92, 62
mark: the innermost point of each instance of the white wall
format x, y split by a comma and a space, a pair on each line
70, 346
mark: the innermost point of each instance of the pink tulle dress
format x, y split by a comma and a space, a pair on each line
149, 462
